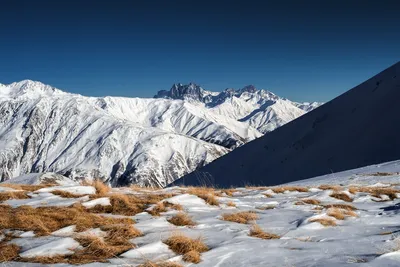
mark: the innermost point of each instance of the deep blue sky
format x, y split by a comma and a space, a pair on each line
303, 50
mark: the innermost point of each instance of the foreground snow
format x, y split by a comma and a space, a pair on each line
368, 238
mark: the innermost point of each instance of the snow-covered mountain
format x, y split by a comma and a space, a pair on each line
129, 140
358, 128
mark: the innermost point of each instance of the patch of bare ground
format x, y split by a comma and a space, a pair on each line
181, 219
342, 196
45, 220
186, 246
324, 221
243, 217
257, 231
282, 189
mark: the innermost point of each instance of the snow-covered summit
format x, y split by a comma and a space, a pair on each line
28, 88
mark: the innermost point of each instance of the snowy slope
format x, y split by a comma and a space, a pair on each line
122, 140
356, 129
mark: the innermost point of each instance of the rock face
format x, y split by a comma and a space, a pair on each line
358, 128
121, 140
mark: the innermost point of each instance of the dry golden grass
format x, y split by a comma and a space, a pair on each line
13, 195
101, 188
65, 194
181, 219
119, 234
160, 264
229, 192
330, 187
44, 220
163, 207
342, 196
231, 204
341, 206
182, 245
282, 189
324, 221
311, 201
243, 217
25, 187
376, 191
8, 252
129, 205
256, 231
341, 214
206, 193
268, 195
192, 256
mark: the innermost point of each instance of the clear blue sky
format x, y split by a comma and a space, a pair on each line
303, 50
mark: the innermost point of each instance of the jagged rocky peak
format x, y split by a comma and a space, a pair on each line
189, 91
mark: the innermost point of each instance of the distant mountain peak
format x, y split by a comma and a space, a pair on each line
30, 88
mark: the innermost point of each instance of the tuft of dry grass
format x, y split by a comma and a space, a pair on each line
44, 220
330, 187
184, 245
342, 196
311, 201
25, 187
65, 194
256, 231
376, 191
341, 214
163, 207
228, 192
192, 256
324, 221
206, 193
160, 264
282, 189
13, 195
243, 217
101, 188
341, 206
181, 219
8, 252
231, 204
119, 234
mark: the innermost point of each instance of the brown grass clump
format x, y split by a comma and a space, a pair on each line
192, 256
231, 204
376, 191
205, 193
341, 196
330, 187
243, 217
25, 187
256, 231
101, 188
228, 192
119, 234
183, 245
268, 195
181, 219
282, 189
129, 205
8, 252
341, 206
341, 214
324, 221
13, 195
44, 220
65, 194
311, 201
160, 264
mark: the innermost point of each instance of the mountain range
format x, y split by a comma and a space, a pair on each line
356, 129
146, 141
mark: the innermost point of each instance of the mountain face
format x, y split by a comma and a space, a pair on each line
127, 140
358, 128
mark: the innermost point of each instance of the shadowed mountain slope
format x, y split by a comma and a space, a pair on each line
360, 127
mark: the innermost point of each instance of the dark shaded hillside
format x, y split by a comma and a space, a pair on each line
359, 128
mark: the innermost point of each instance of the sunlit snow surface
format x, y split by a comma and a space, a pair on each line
366, 240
